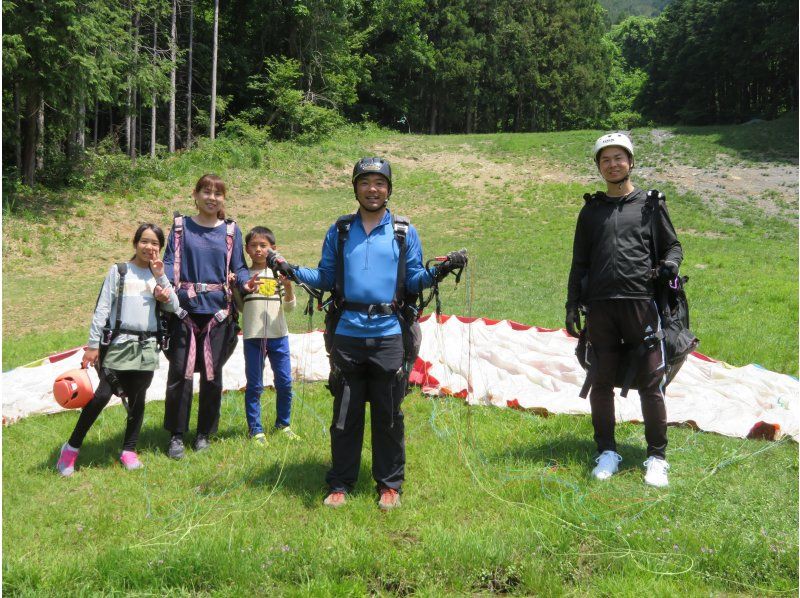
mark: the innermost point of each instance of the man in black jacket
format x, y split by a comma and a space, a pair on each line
612, 261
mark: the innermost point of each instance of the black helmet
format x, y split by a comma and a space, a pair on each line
373, 165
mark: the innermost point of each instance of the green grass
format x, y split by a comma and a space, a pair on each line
495, 499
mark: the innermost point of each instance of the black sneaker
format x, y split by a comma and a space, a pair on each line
201, 443
175, 448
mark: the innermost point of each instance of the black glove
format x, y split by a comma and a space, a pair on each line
573, 322
667, 271
277, 263
456, 260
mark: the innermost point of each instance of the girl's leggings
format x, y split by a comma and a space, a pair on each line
135, 383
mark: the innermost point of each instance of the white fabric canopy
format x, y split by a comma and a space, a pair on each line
504, 364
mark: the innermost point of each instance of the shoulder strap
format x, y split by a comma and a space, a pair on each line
587, 197
177, 230
654, 196
343, 224
400, 224
230, 234
122, 270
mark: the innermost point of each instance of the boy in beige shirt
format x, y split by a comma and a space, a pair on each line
266, 334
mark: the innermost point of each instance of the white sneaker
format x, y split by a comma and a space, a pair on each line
607, 465
656, 474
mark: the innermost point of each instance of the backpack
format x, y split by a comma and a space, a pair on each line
673, 312
403, 304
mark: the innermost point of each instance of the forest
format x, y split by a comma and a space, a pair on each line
145, 78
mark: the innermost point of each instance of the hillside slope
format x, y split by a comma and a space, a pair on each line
511, 200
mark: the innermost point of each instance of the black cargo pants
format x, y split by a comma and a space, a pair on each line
609, 322
367, 370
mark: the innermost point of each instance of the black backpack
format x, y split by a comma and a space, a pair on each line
673, 311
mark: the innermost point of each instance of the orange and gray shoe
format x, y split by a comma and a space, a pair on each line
390, 499
335, 499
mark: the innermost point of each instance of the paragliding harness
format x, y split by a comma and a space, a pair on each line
673, 312
182, 317
109, 334
404, 305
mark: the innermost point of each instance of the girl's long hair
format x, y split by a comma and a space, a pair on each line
215, 182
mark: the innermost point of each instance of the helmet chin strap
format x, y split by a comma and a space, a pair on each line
621, 182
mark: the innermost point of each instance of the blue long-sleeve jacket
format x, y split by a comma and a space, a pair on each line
203, 260
370, 274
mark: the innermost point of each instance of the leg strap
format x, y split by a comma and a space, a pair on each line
344, 406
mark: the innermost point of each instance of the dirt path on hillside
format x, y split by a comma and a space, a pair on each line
771, 188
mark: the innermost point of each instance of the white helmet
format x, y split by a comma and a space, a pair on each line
613, 140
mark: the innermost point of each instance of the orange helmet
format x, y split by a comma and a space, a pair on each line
73, 389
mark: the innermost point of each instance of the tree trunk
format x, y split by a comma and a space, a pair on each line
133, 92
80, 137
214, 72
518, 114
96, 120
132, 139
29, 141
154, 99
434, 115
18, 131
40, 135
139, 119
128, 119
189, 79
173, 56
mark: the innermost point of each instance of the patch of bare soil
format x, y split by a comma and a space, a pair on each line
463, 169
773, 189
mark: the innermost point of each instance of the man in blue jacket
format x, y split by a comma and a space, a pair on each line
363, 257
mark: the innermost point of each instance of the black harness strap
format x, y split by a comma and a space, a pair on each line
371, 309
109, 334
400, 226
343, 225
650, 342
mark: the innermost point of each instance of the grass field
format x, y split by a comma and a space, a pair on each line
497, 501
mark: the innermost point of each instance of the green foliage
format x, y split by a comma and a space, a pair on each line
295, 114
636, 39
239, 128
626, 86
722, 61
619, 10
301, 69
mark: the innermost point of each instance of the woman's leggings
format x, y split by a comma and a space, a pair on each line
178, 403
135, 384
